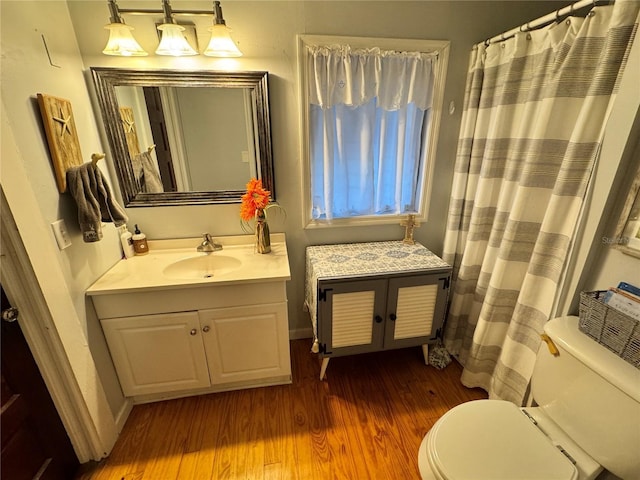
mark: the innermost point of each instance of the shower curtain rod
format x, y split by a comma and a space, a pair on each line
538, 22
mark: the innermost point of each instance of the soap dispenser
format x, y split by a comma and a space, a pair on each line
126, 238
140, 242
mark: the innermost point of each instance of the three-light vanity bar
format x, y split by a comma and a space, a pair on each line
172, 40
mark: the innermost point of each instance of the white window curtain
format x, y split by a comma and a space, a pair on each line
368, 122
534, 115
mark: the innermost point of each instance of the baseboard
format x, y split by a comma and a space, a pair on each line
300, 333
123, 414
227, 387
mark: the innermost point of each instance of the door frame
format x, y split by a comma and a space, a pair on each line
23, 290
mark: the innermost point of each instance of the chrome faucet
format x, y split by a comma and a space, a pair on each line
208, 245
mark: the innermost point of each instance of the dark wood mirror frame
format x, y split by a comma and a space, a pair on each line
105, 81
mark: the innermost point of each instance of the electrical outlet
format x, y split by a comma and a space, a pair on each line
61, 234
245, 156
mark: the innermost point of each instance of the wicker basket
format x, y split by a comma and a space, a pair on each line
618, 332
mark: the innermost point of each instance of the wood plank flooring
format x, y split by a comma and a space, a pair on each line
365, 421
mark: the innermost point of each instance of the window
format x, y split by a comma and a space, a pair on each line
371, 110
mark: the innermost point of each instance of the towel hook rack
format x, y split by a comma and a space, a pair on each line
95, 157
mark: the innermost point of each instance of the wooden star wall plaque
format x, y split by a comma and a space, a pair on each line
129, 126
62, 136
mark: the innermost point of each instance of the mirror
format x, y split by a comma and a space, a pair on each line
627, 236
186, 137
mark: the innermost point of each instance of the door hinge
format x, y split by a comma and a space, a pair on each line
322, 294
445, 284
434, 336
10, 314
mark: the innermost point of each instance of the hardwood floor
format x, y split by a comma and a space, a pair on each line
365, 421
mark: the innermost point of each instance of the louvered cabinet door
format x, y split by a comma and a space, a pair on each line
351, 316
415, 309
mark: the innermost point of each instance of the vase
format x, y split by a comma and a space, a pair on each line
263, 240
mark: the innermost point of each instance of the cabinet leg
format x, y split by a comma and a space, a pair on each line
323, 368
425, 353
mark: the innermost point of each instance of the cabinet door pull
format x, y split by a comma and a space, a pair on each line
378, 319
193, 331
392, 317
206, 328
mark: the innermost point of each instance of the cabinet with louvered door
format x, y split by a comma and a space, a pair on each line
364, 297
351, 316
365, 315
415, 309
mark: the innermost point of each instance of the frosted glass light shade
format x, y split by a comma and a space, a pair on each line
121, 42
221, 44
173, 42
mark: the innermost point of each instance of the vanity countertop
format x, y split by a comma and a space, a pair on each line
149, 272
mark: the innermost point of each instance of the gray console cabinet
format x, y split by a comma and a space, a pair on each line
375, 296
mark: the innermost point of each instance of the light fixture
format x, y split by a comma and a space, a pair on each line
121, 41
221, 44
172, 42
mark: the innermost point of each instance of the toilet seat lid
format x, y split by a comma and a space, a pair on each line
494, 440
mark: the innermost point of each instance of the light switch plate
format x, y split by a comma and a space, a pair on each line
61, 234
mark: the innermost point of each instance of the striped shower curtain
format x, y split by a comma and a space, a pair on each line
534, 113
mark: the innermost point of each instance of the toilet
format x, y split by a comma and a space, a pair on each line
586, 418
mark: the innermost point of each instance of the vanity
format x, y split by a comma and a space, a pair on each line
367, 297
178, 322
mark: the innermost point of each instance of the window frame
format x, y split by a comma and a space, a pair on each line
441, 48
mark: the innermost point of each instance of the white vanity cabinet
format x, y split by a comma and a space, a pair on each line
162, 353
170, 338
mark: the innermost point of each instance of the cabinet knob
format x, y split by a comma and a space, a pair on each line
378, 319
206, 328
193, 331
392, 317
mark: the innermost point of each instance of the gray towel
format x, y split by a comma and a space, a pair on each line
95, 203
147, 173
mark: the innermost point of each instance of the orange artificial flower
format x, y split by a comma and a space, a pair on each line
255, 198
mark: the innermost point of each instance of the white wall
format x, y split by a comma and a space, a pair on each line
266, 33
28, 181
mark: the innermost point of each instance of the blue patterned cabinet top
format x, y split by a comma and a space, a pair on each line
361, 260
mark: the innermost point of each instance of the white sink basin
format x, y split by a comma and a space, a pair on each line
175, 263
202, 266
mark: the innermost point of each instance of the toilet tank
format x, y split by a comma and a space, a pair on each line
592, 395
